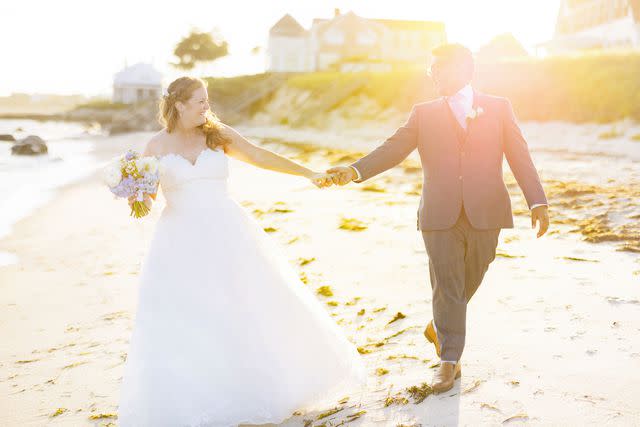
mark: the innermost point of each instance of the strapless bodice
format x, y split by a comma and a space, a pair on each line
181, 180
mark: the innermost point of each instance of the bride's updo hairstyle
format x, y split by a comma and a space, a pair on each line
181, 90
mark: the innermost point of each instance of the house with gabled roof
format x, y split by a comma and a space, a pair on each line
136, 83
596, 24
348, 40
288, 46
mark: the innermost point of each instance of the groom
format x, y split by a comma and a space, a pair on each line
461, 138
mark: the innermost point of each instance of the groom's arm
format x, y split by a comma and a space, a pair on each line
390, 153
517, 154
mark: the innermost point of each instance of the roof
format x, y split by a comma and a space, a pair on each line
635, 5
608, 11
394, 24
575, 3
349, 22
138, 74
572, 41
412, 25
287, 26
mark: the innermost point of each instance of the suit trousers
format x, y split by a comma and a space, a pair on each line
458, 259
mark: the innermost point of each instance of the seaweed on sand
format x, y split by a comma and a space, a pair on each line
373, 188
381, 371
352, 224
329, 413
419, 393
397, 399
325, 291
399, 315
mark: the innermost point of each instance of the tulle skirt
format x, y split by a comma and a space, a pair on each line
225, 333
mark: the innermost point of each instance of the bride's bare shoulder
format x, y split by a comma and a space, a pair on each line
228, 132
155, 145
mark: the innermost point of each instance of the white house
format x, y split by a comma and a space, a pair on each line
288, 46
596, 24
349, 42
137, 83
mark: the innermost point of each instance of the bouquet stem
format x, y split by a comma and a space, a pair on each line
139, 209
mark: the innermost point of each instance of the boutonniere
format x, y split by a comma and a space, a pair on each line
475, 113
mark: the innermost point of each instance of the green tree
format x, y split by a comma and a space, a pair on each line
197, 48
501, 47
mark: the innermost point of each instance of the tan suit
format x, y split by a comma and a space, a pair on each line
464, 201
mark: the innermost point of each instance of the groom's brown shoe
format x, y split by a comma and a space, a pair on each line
432, 337
445, 376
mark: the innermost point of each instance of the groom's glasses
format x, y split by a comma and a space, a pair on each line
438, 68
435, 69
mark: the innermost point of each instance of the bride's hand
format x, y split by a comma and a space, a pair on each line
321, 180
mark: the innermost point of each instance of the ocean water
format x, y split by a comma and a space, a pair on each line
28, 182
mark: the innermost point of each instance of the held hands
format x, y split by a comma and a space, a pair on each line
320, 180
540, 214
342, 175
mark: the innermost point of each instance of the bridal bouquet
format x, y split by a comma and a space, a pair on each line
133, 176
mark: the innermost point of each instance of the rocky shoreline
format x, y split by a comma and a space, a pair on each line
117, 120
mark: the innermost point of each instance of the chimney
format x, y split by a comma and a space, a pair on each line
336, 12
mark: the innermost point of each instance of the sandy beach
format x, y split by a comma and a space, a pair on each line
552, 332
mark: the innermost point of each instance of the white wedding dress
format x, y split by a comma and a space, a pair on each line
225, 333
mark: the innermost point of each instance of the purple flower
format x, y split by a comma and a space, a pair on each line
130, 155
126, 188
130, 187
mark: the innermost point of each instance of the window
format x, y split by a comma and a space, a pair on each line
334, 36
367, 37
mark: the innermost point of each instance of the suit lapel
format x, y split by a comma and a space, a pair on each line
458, 130
471, 123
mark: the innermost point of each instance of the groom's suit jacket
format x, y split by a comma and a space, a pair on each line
461, 167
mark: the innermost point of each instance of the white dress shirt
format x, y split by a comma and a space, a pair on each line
461, 104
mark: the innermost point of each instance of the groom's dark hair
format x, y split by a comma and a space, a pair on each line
457, 54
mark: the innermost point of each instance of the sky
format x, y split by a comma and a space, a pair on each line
75, 47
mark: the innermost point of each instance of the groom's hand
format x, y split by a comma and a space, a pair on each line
342, 175
321, 180
540, 214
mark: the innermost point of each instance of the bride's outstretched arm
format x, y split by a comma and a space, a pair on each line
240, 148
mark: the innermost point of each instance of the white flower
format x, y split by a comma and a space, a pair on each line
154, 165
111, 175
475, 113
147, 164
140, 164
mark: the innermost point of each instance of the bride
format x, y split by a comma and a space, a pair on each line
225, 333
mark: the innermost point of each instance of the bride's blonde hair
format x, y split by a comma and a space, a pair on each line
181, 90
